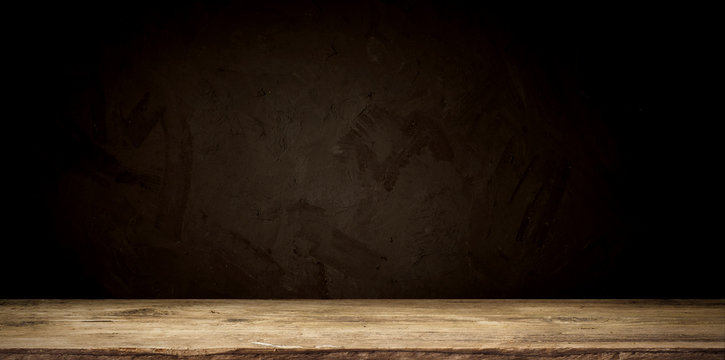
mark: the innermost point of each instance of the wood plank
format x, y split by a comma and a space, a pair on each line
365, 329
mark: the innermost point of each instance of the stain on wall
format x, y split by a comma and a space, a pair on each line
325, 150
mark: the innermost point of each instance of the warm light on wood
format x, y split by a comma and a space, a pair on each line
368, 329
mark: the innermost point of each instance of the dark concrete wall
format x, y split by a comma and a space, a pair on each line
371, 149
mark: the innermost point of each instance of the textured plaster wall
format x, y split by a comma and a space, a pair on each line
362, 150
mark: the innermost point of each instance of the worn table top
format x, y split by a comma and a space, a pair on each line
326, 327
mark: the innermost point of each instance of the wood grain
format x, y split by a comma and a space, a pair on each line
364, 329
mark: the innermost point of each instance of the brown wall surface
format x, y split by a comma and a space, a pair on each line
364, 149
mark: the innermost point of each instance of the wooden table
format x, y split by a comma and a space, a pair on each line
362, 329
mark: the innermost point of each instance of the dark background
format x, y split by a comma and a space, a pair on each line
357, 149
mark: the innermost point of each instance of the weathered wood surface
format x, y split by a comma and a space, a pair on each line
363, 329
